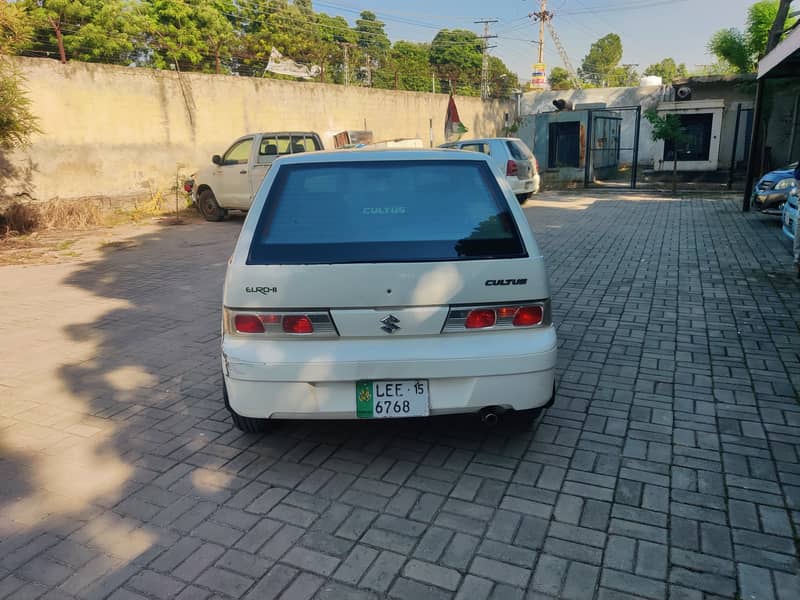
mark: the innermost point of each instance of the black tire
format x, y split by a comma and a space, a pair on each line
208, 207
521, 198
245, 424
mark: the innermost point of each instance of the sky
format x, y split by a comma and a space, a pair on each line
650, 29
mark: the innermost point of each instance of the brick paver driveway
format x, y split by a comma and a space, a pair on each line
668, 467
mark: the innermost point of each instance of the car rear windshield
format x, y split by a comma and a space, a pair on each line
388, 211
519, 150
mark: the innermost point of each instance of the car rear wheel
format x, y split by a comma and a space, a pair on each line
245, 424
208, 207
522, 197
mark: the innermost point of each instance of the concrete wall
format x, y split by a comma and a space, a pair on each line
118, 131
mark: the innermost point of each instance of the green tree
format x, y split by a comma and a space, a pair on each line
84, 29
173, 34
407, 67
55, 14
17, 122
623, 76
16, 28
601, 61
667, 69
305, 38
502, 82
304, 6
456, 55
334, 34
373, 42
668, 129
730, 48
217, 20
559, 79
739, 50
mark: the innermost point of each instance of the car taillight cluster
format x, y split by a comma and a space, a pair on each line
511, 168
504, 316
536, 164
280, 324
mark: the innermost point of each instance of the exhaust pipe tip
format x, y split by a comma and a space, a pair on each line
489, 418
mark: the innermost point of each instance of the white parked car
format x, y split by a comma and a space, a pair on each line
232, 179
512, 158
386, 283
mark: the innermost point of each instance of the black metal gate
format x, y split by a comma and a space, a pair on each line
612, 147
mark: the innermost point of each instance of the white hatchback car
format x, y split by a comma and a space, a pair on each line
512, 157
386, 283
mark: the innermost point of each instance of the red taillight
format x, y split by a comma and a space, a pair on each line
536, 164
188, 187
511, 168
297, 324
480, 318
528, 316
248, 324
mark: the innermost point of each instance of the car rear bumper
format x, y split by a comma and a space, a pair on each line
525, 186
317, 379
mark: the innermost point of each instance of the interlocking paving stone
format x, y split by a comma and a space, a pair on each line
666, 468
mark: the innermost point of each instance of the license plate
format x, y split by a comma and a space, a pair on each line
392, 399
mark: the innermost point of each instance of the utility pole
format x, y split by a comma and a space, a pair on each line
346, 47
543, 16
485, 64
368, 66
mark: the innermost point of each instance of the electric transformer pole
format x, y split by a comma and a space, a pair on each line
543, 16
485, 64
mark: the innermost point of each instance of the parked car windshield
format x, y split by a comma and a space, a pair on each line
388, 211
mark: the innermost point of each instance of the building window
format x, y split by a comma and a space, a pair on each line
697, 143
564, 145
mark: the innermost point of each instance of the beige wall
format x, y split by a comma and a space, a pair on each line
119, 131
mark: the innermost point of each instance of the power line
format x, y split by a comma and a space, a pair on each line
485, 62
624, 7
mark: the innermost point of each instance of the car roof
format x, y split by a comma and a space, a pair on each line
380, 154
284, 133
488, 139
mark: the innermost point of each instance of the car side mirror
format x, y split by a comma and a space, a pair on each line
216, 159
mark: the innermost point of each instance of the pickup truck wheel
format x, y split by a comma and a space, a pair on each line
521, 198
208, 207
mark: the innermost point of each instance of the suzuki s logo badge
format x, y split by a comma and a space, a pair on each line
390, 324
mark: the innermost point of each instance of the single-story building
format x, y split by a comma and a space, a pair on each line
607, 126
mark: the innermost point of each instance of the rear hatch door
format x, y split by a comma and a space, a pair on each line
387, 247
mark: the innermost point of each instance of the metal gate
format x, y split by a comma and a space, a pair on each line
612, 147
